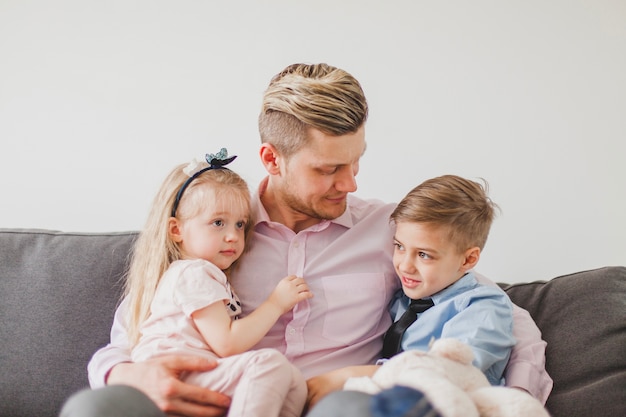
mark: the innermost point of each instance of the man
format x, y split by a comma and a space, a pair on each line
312, 127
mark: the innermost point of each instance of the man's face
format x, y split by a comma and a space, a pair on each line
317, 179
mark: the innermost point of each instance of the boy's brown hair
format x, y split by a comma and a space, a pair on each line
458, 204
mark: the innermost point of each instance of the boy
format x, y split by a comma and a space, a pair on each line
441, 228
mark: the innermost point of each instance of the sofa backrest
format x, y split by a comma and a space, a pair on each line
59, 292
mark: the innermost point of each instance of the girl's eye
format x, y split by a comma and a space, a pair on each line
424, 255
398, 246
241, 225
218, 223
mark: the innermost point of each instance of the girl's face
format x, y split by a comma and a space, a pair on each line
215, 233
426, 261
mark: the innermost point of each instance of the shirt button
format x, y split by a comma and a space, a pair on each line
292, 331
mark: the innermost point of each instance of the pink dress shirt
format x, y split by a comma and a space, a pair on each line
347, 265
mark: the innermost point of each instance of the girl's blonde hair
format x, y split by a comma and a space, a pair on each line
154, 250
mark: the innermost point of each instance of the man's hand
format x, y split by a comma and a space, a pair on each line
158, 378
322, 385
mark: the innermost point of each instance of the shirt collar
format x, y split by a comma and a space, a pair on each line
258, 210
463, 284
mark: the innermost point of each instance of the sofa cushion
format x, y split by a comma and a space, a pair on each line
59, 292
582, 317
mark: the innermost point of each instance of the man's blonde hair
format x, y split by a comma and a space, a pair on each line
306, 96
154, 250
460, 205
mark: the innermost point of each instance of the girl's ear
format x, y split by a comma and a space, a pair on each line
472, 255
173, 227
270, 158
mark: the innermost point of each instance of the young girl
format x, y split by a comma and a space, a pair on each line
180, 301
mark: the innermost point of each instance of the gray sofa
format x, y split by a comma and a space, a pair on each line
59, 291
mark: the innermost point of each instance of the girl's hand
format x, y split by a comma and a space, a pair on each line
289, 292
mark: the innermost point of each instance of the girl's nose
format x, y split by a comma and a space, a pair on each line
232, 235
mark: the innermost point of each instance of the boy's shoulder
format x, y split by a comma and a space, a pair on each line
471, 289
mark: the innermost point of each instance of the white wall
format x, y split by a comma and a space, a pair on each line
99, 99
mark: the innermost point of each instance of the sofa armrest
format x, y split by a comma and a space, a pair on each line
582, 317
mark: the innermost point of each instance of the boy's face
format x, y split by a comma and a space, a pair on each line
426, 261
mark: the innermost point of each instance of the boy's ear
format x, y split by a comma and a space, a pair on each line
472, 255
173, 227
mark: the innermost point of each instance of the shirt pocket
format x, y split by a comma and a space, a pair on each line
356, 305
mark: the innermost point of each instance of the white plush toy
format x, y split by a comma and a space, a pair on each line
455, 388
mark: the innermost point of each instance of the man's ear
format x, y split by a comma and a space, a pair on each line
173, 228
472, 255
270, 158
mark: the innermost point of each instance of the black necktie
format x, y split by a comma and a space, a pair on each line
393, 337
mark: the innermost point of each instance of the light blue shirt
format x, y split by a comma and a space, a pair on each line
479, 315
